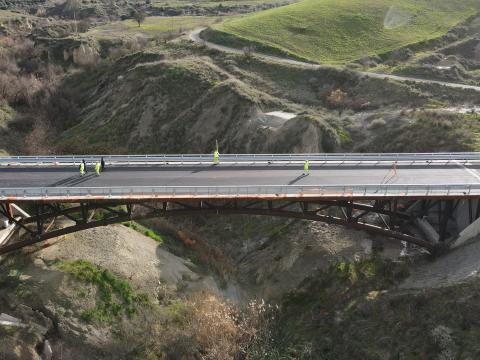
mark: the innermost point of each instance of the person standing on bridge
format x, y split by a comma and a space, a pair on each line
306, 167
97, 168
216, 157
102, 163
82, 168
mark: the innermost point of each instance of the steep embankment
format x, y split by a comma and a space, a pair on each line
95, 294
183, 104
356, 311
161, 101
331, 31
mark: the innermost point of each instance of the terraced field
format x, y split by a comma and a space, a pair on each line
339, 31
153, 25
216, 3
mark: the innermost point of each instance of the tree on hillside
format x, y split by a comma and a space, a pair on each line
139, 16
71, 8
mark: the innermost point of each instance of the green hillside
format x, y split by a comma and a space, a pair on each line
339, 31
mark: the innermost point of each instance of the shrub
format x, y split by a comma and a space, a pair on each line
139, 16
225, 332
337, 99
248, 51
86, 56
8, 65
83, 26
376, 123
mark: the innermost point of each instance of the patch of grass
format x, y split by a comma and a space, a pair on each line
173, 23
153, 25
475, 133
436, 104
115, 295
283, 229
10, 278
7, 115
145, 231
340, 31
231, 40
178, 312
475, 72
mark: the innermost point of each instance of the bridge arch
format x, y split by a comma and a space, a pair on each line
390, 219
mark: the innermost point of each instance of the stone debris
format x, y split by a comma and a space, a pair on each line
7, 320
47, 351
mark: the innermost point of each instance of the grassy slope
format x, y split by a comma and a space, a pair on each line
338, 31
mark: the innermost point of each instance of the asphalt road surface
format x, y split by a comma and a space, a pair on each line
210, 175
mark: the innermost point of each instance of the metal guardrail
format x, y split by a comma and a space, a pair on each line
235, 158
272, 191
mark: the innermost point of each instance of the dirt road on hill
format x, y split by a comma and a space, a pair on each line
195, 37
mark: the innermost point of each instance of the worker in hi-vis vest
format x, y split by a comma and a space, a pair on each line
82, 168
97, 168
306, 165
216, 157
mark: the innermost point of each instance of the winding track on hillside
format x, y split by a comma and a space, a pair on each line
195, 37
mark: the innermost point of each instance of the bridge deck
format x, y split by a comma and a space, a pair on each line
435, 179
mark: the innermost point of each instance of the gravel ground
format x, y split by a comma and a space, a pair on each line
127, 253
459, 265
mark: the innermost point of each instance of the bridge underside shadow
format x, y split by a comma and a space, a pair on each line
390, 218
